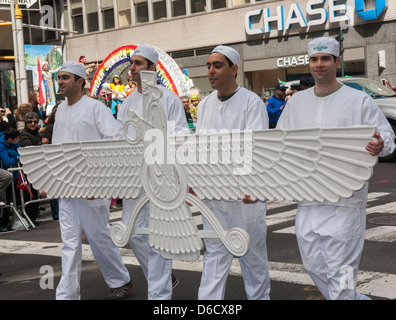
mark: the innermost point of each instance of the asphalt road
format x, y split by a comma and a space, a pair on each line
30, 264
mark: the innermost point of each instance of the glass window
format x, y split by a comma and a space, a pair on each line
124, 13
178, 8
32, 35
108, 14
219, 4
159, 9
91, 7
76, 15
198, 5
141, 11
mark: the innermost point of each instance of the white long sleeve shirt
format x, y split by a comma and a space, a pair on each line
244, 110
177, 122
342, 108
86, 120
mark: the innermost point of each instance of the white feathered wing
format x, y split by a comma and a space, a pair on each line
102, 169
318, 164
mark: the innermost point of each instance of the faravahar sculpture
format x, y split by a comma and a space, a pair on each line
321, 164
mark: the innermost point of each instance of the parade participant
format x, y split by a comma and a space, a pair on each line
275, 104
130, 86
232, 107
156, 269
88, 69
331, 235
118, 95
189, 81
194, 99
80, 118
48, 78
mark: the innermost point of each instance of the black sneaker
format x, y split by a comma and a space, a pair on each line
121, 292
175, 281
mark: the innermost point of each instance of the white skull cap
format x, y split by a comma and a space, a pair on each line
75, 68
229, 52
324, 45
147, 52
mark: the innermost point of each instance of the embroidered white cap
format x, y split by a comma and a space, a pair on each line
324, 45
75, 68
229, 52
147, 52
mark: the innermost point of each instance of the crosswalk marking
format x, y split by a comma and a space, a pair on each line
382, 234
372, 283
285, 216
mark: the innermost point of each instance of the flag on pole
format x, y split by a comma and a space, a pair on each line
41, 86
22, 183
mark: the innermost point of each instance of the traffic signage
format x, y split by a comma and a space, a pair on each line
23, 4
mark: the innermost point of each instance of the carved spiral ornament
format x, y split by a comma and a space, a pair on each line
237, 241
119, 234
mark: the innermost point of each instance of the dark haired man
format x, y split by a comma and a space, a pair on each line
331, 235
232, 107
9, 156
88, 69
275, 104
158, 271
81, 118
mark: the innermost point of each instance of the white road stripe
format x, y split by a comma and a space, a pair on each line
382, 234
379, 234
373, 283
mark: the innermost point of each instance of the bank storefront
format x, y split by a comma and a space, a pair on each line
271, 37
264, 74
277, 34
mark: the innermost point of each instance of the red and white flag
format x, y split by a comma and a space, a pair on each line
41, 86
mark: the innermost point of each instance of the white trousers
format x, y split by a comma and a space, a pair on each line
331, 240
217, 259
156, 269
92, 217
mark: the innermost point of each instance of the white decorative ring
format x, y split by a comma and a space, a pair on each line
238, 241
118, 234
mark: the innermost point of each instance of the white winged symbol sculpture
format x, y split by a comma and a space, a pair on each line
321, 164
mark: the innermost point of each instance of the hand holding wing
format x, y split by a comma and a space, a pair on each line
321, 164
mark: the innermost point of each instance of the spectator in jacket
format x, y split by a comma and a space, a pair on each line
9, 156
30, 136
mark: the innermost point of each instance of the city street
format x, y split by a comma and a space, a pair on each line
30, 264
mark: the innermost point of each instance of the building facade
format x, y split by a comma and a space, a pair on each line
271, 36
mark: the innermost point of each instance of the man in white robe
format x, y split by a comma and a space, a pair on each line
232, 107
157, 270
83, 119
331, 235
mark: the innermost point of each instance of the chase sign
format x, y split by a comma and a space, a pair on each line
317, 12
373, 14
